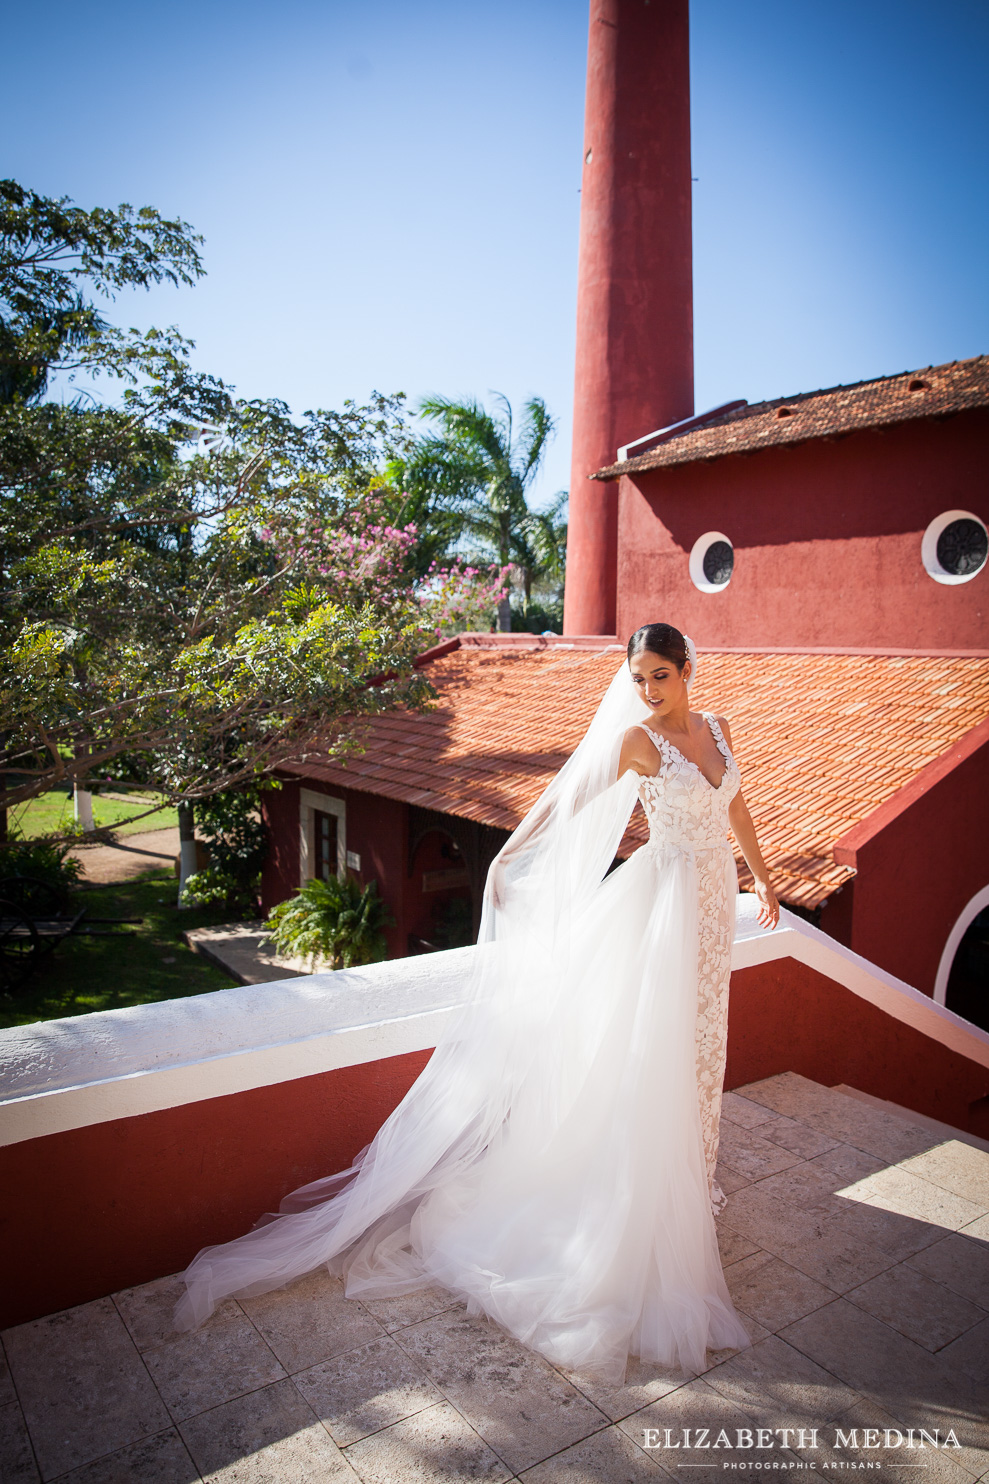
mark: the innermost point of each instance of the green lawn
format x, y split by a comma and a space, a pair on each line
136, 966
52, 813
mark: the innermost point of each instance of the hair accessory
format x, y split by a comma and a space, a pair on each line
692, 657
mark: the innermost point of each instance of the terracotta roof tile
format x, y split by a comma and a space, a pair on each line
822, 739
935, 391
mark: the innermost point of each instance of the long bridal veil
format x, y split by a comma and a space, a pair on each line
547, 1165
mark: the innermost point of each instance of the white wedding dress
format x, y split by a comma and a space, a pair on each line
553, 1165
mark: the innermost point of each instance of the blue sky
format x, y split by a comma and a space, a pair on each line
389, 191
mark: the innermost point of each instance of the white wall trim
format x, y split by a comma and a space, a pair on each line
928, 548
309, 803
695, 562
58, 1075
961, 927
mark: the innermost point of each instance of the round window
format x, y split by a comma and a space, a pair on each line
955, 547
712, 561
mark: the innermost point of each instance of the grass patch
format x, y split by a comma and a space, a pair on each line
52, 814
138, 965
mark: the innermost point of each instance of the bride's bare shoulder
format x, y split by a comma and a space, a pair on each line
637, 751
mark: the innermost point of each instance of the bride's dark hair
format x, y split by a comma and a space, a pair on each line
659, 638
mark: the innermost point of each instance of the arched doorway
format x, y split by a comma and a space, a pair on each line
963, 974
448, 863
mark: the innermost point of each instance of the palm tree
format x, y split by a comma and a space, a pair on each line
475, 471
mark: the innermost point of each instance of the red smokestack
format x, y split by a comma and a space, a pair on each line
635, 347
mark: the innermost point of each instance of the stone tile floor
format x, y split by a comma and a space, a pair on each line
856, 1246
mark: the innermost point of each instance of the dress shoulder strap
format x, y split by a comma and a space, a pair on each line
717, 733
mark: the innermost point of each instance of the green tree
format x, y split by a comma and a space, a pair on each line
471, 478
146, 611
54, 258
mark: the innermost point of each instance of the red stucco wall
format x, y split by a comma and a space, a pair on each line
280, 874
785, 1017
918, 873
142, 1195
377, 829
826, 536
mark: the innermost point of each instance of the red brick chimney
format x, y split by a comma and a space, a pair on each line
635, 356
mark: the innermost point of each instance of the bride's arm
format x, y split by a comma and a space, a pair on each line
637, 753
744, 831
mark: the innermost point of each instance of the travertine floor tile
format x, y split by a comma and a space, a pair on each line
779, 1386
753, 1214
969, 1354
310, 1320
847, 1164
608, 1457
874, 1359
733, 1245
895, 1189
366, 1389
893, 1233
83, 1386
162, 1459
695, 1406
7, 1392
410, 1308
644, 1382
518, 1403
730, 1180
797, 1137
17, 1465
923, 1310
268, 1437
745, 1150
742, 1110
843, 1118
435, 1446
222, 1359
148, 1309
859, 1438
970, 1423
957, 1167
960, 1264
773, 1292
978, 1230
816, 1242
755, 1331
806, 1183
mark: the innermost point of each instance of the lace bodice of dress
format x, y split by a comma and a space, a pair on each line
682, 807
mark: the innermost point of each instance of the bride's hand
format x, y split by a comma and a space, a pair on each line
769, 907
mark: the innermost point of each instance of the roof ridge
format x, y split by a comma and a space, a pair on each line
877, 650
851, 386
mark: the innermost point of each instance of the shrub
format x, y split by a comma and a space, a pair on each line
41, 860
231, 827
336, 920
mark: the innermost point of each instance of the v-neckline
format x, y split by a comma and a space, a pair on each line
714, 787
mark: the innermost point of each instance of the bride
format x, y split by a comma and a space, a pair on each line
553, 1165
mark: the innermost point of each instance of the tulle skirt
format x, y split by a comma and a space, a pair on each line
548, 1165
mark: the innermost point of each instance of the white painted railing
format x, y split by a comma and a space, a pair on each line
64, 1074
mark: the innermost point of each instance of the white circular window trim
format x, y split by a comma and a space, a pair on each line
698, 552
928, 548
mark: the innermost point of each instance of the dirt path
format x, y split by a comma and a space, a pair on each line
131, 856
